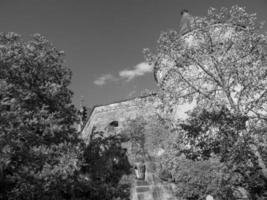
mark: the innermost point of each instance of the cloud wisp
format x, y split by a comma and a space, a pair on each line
104, 79
138, 70
127, 74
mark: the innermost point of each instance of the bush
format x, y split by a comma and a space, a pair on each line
196, 179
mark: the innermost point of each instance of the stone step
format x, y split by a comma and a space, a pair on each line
142, 189
141, 183
141, 197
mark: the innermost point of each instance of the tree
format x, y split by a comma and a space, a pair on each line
135, 132
104, 166
197, 179
37, 116
221, 63
220, 67
209, 134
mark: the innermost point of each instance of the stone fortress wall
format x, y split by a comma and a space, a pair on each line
150, 186
119, 113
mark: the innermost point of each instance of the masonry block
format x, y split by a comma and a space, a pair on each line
142, 189
141, 197
141, 183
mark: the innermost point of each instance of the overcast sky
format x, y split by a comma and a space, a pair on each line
103, 39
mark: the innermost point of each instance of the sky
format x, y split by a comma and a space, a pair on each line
103, 39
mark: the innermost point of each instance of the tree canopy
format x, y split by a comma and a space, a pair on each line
222, 61
220, 67
41, 155
37, 118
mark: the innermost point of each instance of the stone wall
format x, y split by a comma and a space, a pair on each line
118, 116
119, 113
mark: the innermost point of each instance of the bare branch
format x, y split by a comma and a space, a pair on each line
254, 103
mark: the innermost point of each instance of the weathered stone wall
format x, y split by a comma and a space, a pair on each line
151, 187
120, 112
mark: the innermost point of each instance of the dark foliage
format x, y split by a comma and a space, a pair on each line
213, 132
37, 117
41, 156
219, 133
105, 163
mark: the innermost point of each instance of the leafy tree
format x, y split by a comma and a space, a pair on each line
41, 156
212, 133
36, 133
221, 63
217, 133
135, 132
147, 136
197, 179
220, 67
104, 167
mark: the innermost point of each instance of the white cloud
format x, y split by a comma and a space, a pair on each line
102, 80
138, 70
126, 74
